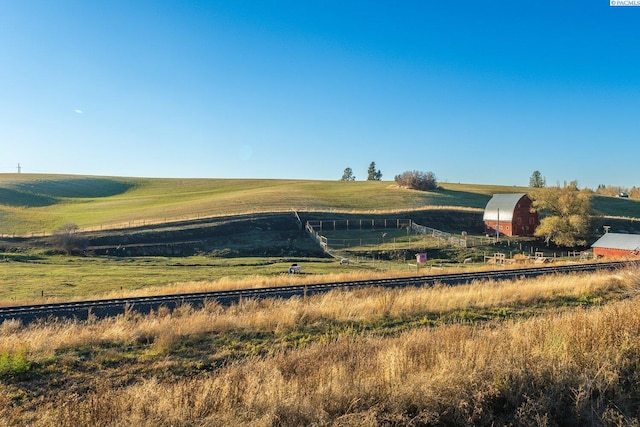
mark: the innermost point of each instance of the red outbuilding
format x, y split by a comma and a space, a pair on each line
511, 215
617, 245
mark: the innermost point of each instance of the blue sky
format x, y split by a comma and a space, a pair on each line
476, 92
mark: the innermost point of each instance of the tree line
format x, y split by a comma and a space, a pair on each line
373, 174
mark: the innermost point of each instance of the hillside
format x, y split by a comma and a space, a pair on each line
37, 204
41, 203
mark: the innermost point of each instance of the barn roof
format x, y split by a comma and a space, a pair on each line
629, 242
502, 205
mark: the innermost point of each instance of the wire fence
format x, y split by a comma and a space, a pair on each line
358, 224
336, 246
463, 240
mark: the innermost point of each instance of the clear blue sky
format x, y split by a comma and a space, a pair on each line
474, 91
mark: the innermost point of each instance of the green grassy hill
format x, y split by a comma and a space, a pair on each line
33, 203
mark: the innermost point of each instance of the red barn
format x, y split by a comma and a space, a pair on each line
511, 215
617, 245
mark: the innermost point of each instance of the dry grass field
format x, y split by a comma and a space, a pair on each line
559, 350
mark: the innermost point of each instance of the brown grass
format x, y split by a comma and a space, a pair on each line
563, 367
281, 315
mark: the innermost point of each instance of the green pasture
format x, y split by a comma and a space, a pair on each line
616, 206
26, 278
34, 278
390, 239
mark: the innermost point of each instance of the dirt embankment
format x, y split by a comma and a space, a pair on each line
254, 235
269, 234
248, 235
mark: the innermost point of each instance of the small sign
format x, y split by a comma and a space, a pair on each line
421, 257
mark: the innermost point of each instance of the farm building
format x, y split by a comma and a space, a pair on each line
617, 245
511, 215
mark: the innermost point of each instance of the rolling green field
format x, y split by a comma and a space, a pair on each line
41, 203
32, 203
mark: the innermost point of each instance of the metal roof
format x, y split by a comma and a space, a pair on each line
629, 242
502, 205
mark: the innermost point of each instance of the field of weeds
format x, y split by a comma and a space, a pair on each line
559, 350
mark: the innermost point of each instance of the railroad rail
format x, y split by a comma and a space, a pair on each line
82, 310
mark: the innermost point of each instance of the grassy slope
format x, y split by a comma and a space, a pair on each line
41, 203
617, 207
35, 203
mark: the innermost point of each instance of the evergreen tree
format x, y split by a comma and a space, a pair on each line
537, 180
348, 175
372, 173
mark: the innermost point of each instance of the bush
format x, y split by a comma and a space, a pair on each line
66, 239
416, 180
13, 364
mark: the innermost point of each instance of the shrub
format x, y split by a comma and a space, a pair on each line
416, 180
12, 364
68, 240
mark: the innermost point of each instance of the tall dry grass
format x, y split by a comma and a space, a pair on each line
368, 304
570, 367
573, 368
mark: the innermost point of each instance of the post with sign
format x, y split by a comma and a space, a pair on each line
420, 259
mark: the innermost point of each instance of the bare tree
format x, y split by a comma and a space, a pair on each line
67, 239
425, 181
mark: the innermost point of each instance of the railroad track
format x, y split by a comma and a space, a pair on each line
112, 307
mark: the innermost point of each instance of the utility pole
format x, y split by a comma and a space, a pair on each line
19, 168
